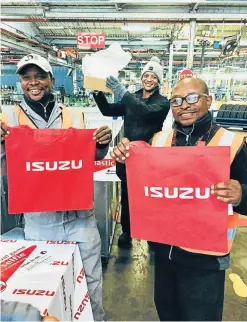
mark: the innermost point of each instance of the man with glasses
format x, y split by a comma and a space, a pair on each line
189, 284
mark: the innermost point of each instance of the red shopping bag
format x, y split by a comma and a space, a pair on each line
170, 198
49, 170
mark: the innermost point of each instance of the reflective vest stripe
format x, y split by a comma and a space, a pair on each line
22, 118
70, 118
161, 137
226, 138
67, 121
205, 252
216, 138
221, 138
234, 141
231, 233
3, 118
9, 116
238, 142
76, 117
230, 210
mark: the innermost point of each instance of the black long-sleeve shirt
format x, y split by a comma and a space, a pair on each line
142, 117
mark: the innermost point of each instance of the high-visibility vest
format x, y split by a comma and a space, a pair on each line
68, 119
222, 137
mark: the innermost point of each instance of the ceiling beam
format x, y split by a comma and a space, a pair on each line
122, 42
137, 2
162, 21
28, 29
150, 16
138, 12
27, 49
195, 7
162, 43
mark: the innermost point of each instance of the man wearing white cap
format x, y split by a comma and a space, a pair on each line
39, 109
144, 113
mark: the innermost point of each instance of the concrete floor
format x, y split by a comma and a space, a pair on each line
128, 282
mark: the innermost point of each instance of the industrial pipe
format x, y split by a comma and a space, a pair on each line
208, 22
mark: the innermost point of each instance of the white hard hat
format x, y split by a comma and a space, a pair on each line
33, 59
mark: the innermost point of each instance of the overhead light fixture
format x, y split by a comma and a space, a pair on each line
135, 27
50, 27
151, 39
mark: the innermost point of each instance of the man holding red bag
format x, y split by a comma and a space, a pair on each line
189, 283
38, 110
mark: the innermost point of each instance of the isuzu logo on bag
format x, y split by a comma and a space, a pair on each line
33, 292
170, 196
173, 193
55, 162
82, 306
53, 165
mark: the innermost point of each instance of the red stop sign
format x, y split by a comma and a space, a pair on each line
185, 73
88, 40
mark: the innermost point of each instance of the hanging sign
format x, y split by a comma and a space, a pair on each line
185, 73
87, 40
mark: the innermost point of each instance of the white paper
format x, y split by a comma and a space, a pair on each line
105, 63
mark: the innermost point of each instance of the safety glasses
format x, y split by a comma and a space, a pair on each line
191, 98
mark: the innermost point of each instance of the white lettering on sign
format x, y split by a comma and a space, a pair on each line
177, 193
53, 165
90, 40
106, 162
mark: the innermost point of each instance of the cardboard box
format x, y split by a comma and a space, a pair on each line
49, 275
98, 84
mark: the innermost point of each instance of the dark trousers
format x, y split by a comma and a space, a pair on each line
125, 214
183, 293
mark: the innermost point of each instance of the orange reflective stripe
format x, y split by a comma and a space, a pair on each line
22, 117
242, 221
3, 118
205, 252
169, 139
67, 120
236, 145
81, 119
233, 221
155, 138
216, 138
163, 138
